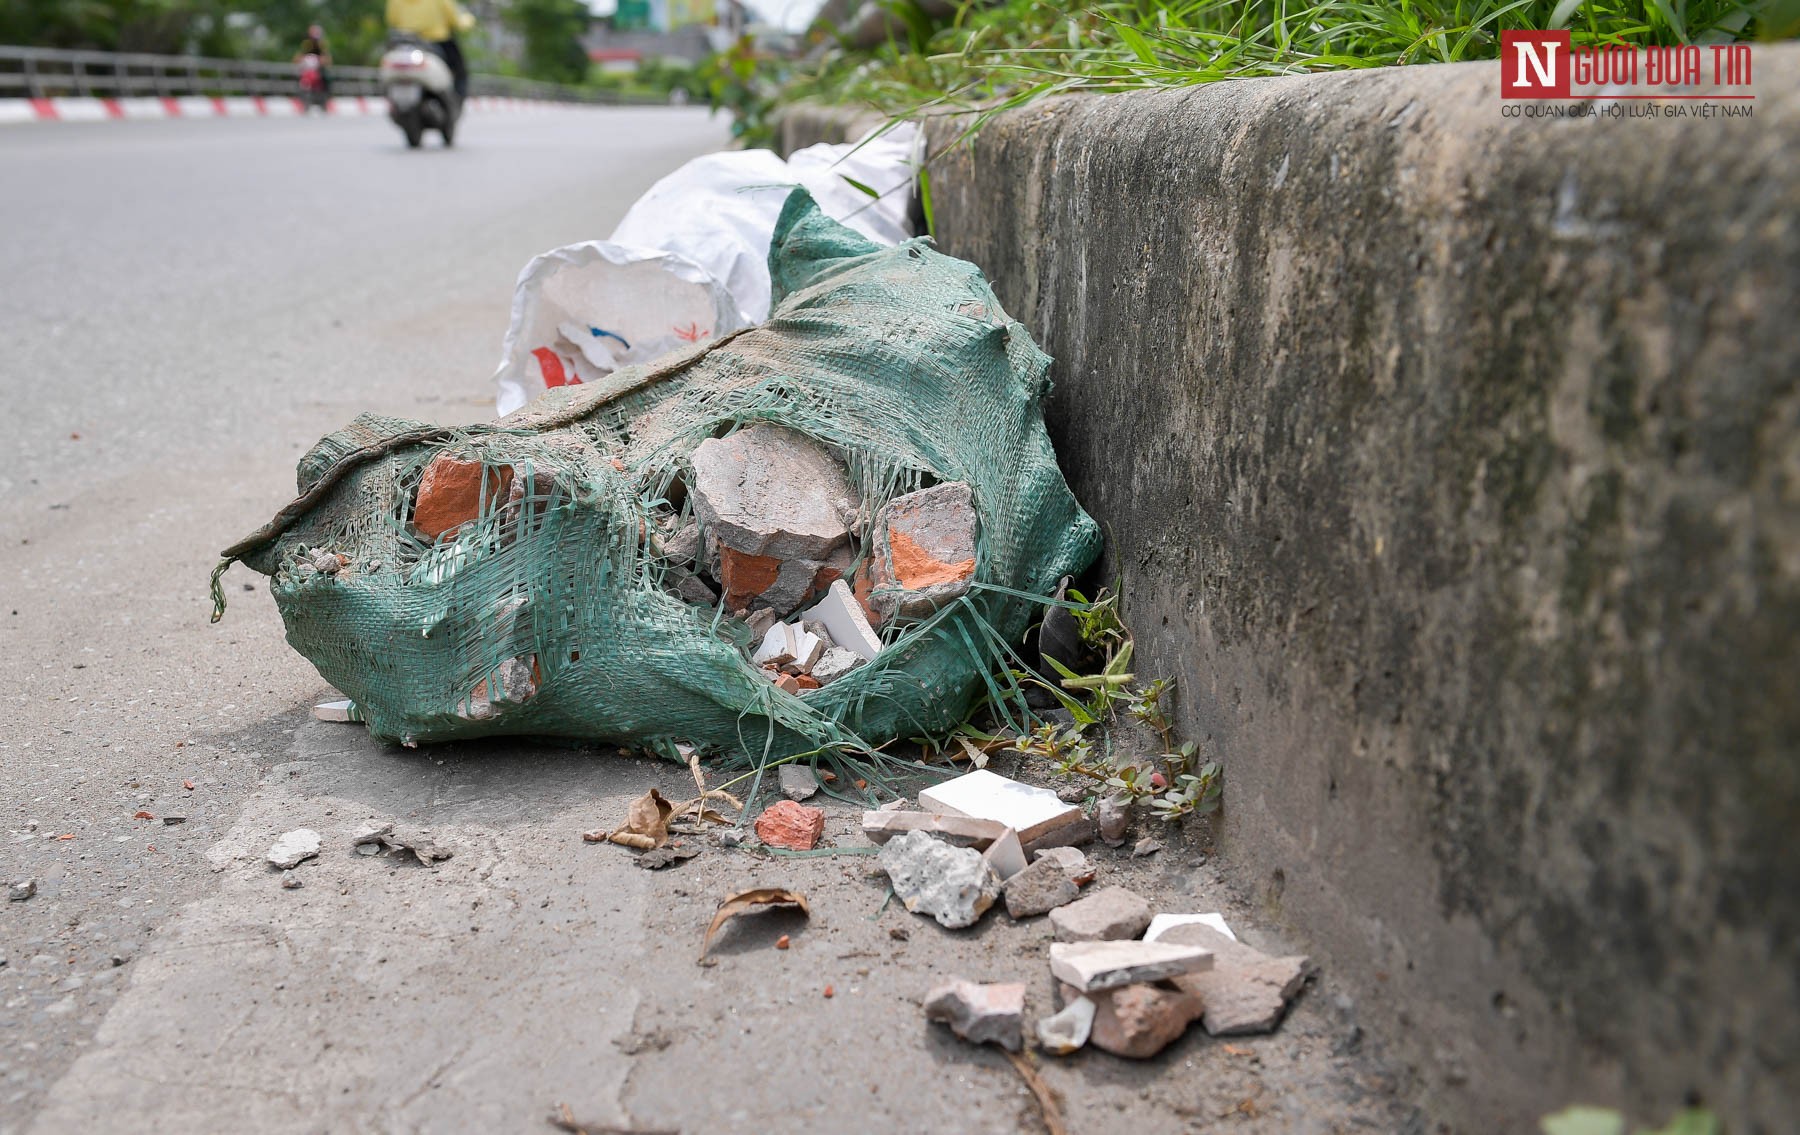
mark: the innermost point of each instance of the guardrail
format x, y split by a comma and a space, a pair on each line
46, 72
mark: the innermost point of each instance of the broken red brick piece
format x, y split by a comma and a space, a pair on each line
788, 683
791, 825
745, 576
143, 816
806, 681
451, 493
1138, 1021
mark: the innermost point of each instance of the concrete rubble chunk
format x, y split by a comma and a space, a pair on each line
1114, 817
984, 795
844, 618
21, 889
798, 782
1039, 889
1066, 1031
998, 843
1093, 966
394, 839
690, 588
1108, 914
1074, 863
954, 885
924, 551
788, 824
293, 847
1138, 1021
759, 621
1075, 834
1246, 991
772, 491
513, 682
981, 1014
834, 664
1163, 923
774, 504
683, 546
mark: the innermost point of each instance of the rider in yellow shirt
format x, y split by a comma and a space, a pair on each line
436, 22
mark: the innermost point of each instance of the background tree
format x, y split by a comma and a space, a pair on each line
552, 31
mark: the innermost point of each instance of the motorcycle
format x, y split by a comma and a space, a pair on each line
312, 82
420, 90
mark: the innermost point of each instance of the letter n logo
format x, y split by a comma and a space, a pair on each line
1534, 65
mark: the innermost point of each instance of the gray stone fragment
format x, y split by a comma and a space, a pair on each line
683, 547
834, 664
1039, 888
954, 885
1107, 914
1114, 817
1146, 846
1073, 861
293, 847
690, 588
759, 622
291, 882
1093, 966
1080, 832
387, 837
798, 782
21, 890
771, 491
981, 1014
1246, 991
1068, 1030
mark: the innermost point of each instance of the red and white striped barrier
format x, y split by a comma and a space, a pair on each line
84, 109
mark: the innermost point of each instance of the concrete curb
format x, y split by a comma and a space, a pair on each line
1435, 442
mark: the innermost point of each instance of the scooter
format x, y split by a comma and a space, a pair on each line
420, 91
312, 82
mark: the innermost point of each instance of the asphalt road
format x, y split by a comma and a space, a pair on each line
186, 307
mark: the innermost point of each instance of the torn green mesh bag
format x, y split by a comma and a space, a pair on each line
899, 360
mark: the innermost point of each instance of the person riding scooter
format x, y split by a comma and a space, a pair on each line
436, 22
314, 45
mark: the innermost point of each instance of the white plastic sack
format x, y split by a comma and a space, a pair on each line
582, 311
719, 210
690, 260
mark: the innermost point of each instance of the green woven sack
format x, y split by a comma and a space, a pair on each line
898, 359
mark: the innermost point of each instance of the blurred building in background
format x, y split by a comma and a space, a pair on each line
683, 31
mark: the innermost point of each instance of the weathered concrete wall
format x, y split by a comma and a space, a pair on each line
1452, 464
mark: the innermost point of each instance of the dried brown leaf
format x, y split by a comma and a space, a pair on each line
646, 819
743, 901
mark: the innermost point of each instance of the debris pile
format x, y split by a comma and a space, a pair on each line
821, 533
1130, 980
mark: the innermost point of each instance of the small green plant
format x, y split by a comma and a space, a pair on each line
1581, 1120
1174, 783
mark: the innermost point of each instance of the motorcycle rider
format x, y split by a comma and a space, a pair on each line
314, 44
436, 22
